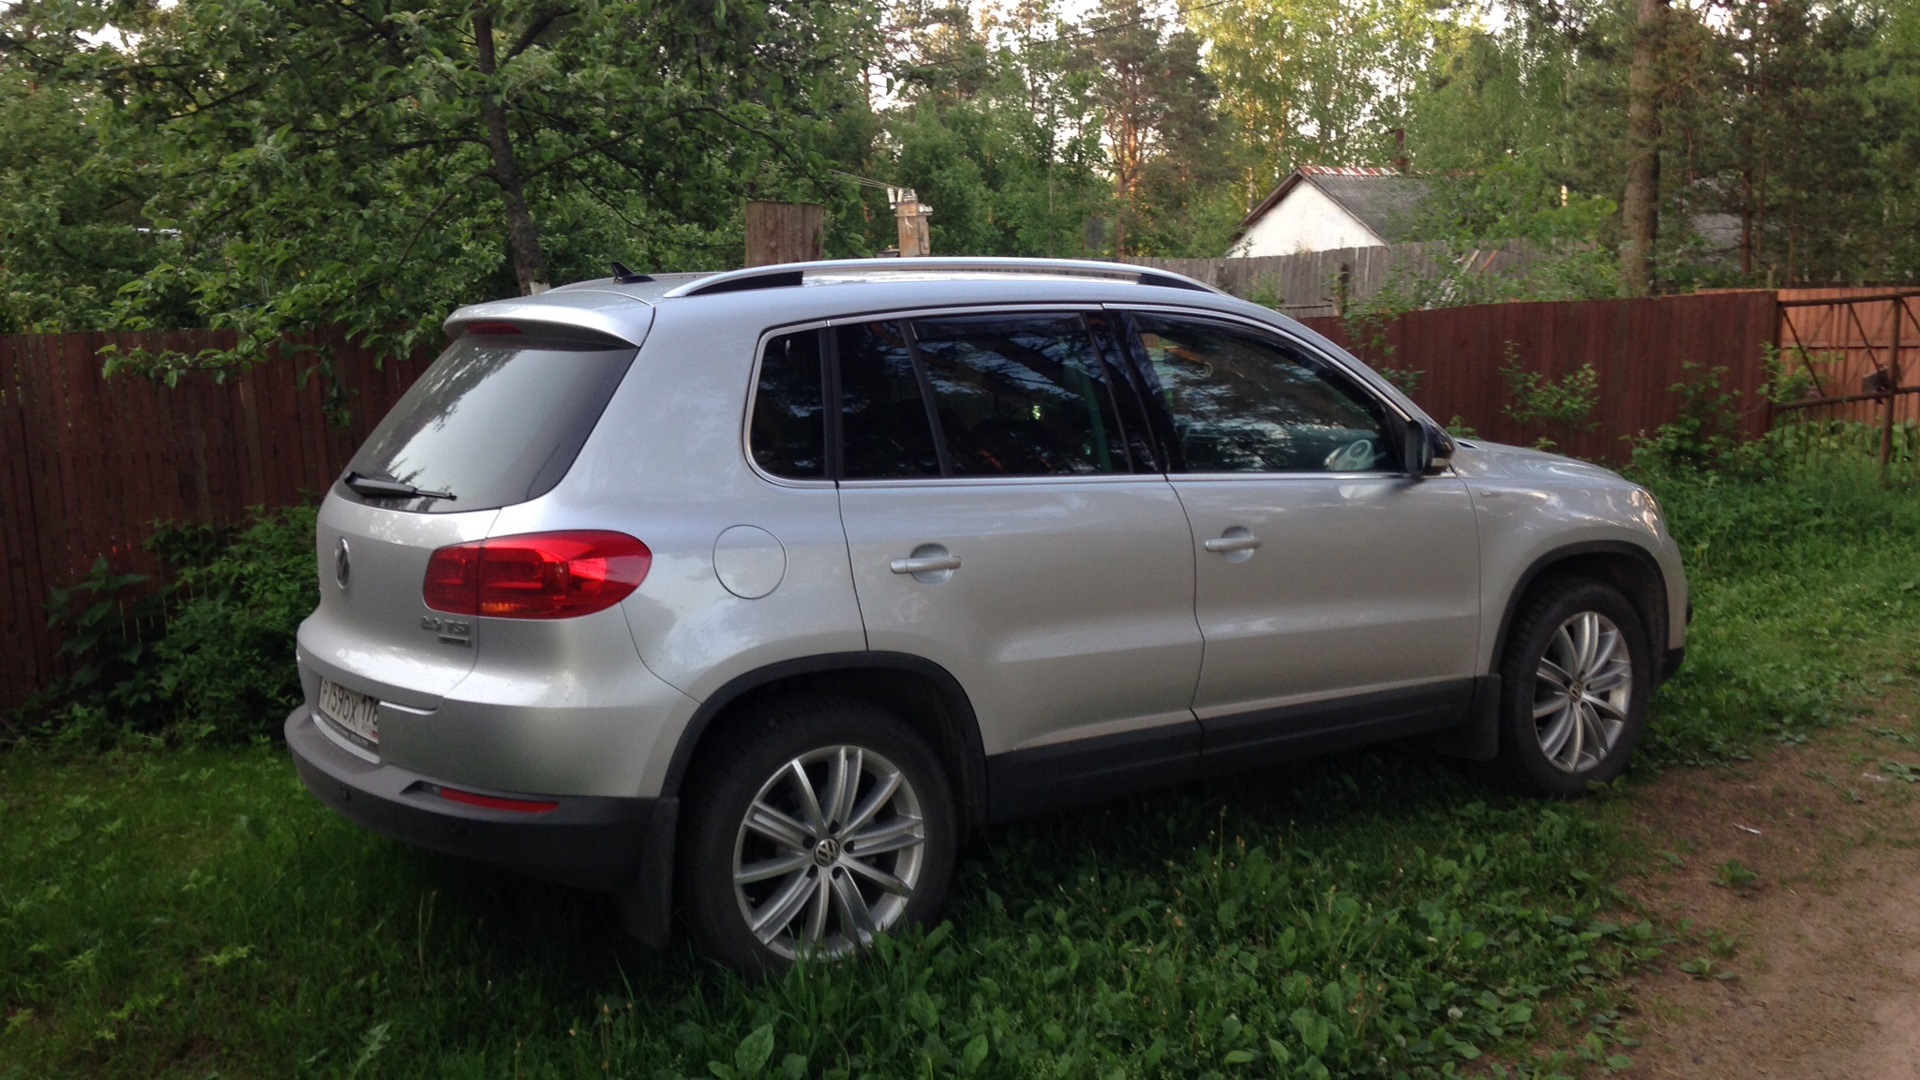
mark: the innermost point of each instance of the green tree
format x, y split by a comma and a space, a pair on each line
373, 163
1314, 82
72, 193
995, 128
1162, 134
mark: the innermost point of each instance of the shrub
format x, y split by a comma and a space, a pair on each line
208, 653
1562, 407
226, 662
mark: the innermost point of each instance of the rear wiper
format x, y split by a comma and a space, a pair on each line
375, 487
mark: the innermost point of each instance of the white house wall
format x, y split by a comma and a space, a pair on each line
1305, 220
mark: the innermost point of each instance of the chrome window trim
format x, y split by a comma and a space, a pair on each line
1021, 481
964, 311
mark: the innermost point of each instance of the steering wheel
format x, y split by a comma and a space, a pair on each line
1356, 456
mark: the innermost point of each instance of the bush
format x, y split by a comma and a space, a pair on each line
208, 653
226, 662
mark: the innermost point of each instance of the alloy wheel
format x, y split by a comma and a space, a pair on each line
1582, 688
829, 852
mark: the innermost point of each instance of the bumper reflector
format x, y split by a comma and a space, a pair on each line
492, 802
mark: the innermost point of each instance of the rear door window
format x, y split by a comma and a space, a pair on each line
976, 396
496, 420
1020, 395
884, 431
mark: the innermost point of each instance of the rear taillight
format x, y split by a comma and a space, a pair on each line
554, 575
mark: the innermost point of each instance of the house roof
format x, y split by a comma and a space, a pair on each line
1386, 201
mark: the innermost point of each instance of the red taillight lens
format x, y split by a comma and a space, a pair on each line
453, 579
537, 576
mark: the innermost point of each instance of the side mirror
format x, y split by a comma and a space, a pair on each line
1427, 450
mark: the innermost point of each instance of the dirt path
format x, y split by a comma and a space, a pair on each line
1801, 875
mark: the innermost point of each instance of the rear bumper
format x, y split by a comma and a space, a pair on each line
594, 842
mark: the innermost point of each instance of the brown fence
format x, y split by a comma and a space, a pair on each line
1322, 283
88, 464
1638, 348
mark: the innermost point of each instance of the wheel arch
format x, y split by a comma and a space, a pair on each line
922, 693
1627, 567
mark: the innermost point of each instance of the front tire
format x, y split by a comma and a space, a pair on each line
1574, 686
827, 822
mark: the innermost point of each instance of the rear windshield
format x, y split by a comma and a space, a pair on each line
496, 420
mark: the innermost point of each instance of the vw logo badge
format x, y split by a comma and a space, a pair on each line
342, 562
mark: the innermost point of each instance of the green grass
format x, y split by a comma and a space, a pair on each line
191, 912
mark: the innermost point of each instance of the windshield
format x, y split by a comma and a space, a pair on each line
496, 420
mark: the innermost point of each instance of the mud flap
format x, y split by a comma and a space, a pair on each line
1479, 738
646, 906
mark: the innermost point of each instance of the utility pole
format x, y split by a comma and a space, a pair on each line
910, 215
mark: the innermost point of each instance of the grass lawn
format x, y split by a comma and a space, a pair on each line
192, 912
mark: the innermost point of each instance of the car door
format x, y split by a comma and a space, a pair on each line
997, 526
1338, 596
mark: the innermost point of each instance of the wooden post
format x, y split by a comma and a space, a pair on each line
785, 233
911, 218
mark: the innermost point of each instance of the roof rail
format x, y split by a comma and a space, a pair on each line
787, 274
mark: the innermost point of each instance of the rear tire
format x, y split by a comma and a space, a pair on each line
825, 822
1574, 685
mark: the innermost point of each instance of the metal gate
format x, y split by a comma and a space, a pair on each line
1849, 355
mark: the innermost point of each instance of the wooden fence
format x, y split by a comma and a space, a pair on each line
1323, 283
87, 464
1639, 350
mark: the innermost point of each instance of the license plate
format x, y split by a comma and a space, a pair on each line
355, 714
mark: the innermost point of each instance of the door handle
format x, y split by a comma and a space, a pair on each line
925, 564
1241, 541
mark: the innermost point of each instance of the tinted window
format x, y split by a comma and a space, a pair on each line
884, 431
1020, 396
788, 435
495, 420
1241, 402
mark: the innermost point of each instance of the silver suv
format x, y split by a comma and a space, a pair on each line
748, 594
